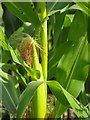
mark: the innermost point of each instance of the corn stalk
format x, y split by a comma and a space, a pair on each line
40, 98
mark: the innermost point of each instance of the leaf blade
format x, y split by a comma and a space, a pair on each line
26, 96
56, 88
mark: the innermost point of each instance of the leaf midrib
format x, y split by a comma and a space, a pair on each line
75, 62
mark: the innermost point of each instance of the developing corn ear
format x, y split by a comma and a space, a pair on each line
25, 49
28, 52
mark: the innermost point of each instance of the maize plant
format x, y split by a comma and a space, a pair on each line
44, 68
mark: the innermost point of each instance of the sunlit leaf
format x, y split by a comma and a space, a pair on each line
26, 97
84, 6
69, 62
3, 42
67, 98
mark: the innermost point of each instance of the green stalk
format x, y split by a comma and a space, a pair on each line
41, 8
39, 102
43, 40
44, 53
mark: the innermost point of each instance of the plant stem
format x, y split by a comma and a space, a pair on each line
44, 53
43, 41
40, 98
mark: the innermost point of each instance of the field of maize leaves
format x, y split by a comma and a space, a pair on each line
44, 60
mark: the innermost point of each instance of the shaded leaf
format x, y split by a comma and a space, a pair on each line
5, 56
26, 14
10, 21
53, 7
10, 91
6, 67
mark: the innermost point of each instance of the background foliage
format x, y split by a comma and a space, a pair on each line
68, 61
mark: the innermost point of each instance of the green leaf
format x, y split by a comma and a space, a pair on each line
6, 67
10, 91
26, 97
53, 7
59, 48
88, 30
61, 109
72, 69
58, 25
82, 97
69, 62
81, 111
26, 14
57, 53
3, 42
75, 57
5, 56
74, 33
7, 99
68, 67
67, 98
1, 13
10, 21
84, 6
61, 30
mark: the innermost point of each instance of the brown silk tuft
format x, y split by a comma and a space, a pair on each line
26, 50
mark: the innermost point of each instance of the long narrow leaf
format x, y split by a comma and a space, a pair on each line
26, 14
27, 96
2, 39
6, 66
10, 92
11, 85
72, 69
84, 6
53, 7
56, 88
61, 44
8, 100
75, 56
